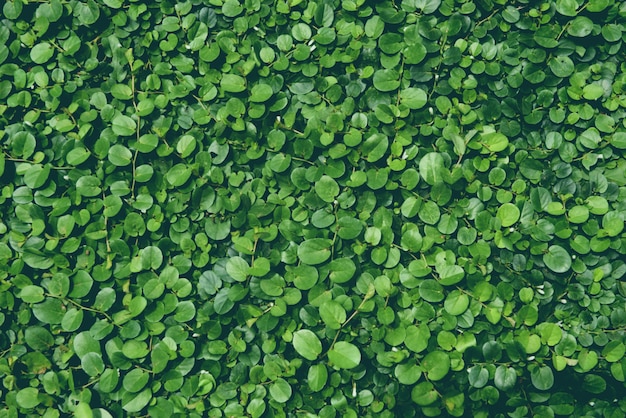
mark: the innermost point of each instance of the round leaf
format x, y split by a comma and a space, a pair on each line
314, 251
307, 344
557, 259
327, 188
344, 355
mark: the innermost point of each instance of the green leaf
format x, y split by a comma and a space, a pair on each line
280, 390
36, 259
456, 302
593, 383
580, 27
237, 268
41, 53
341, 270
32, 294
37, 175
562, 66
478, 376
375, 147
327, 188
136, 402
557, 259
344, 355
450, 274
84, 343
494, 142
614, 351
120, 156
508, 214
424, 394
414, 98
587, 360
542, 377
92, 364
178, 175
386, 80
88, 186
27, 398
407, 373
123, 125
135, 380
261, 93
333, 314
38, 338
232, 8
567, 7
307, 344
431, 291
233, 83
593, 91
151, 257
317, 377
505, 378
72, 320
314, 251
77, 156
436, 364
122, 91
431, 168
417, 338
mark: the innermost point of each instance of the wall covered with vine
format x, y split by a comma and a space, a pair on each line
323, 208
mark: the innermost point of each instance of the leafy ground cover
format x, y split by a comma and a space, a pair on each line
312, 208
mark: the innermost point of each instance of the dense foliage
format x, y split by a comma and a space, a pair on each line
312, 208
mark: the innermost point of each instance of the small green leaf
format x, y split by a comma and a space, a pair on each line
344, 355
580, 27
88, 186
119, 155
327, 188
508, 214
307, 344
436, 364
567, 7
542, 377
317, 377
456, 302
123, 125
233, 83
280, 390
505, 377
431, 168
38, 338
417, 338
261, 93
178, 174
562, 66
32, 294
237, 268
333, 314
314, 251
28, 398
77, 156
557, 259
614, 351
424, 394
386, 80
414, 98
41, 53
92, 364
136, 402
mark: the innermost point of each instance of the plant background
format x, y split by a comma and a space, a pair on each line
312, 208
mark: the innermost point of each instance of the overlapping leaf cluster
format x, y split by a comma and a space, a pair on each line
312, 208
